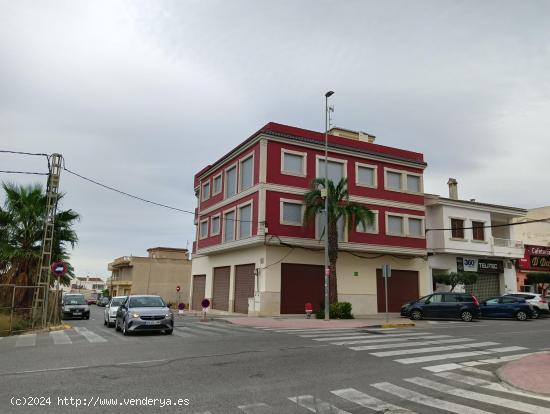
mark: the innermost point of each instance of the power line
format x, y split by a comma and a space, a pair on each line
25, 153
22, 172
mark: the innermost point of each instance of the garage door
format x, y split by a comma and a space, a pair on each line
220, 294
486, 286
402, 288
244, 286
199, 283
301, 284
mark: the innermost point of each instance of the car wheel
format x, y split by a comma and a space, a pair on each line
536, 313
125, 329
168, 331
521, 316
117, 328
466, 316
416, 315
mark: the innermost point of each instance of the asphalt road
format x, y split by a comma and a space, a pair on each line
438, 366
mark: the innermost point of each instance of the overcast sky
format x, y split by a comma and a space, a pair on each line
142, 94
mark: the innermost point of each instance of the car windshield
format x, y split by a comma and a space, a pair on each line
146, 302
117, 301
74, 300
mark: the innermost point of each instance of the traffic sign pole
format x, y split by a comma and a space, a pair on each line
386, 273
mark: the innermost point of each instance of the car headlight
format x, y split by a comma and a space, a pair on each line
168, 315
135, 315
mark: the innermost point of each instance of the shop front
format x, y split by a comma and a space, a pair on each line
490, 279
535, 260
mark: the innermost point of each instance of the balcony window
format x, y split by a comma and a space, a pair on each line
478, 230
457, 228
245, 221
230, 182
229, 226
395, 225
246, 173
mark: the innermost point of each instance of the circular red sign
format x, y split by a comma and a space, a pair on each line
177, 288
59, 268
205, 303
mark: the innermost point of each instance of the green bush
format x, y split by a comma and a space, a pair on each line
338, 310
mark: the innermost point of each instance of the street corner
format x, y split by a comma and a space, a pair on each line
530, 373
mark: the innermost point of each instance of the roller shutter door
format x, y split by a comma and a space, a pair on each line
220, 295
487, 286
402, 288
301, 284
199, 283
244, 286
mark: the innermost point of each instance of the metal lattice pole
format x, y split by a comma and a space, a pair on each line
40, 300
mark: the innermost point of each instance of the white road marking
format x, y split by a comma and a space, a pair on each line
259, 408
60, 338
432, 349
423, 399
478, 371
409, 344
141, 362
504, 358
473, 363
182, 334
368, 401
26, 340
331, 334
439, 357
443, 367
388, 340
89, 335
313, 331
476, 396
312, 404
365, 336
210, 328
51, 369
508, 349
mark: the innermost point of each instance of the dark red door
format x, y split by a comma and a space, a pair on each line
402, 288
301, 284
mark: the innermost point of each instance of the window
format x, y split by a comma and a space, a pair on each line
229, 226
365, 175
393, 180
370, 228
335, 169
437, 298
321, 227
203, 232
415, 227
206, 191
413, 183
217, 187
291, 213
451, 298
395, 225
246, 173
215, 225
245, 221
478, 231
230, 182
493, 301
457, 228
293, 163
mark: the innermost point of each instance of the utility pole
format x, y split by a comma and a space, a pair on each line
41, 294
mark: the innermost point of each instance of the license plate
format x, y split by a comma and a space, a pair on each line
152, 322
77, 313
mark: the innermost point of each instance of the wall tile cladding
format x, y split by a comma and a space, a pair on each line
214, 199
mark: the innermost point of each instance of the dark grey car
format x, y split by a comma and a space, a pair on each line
141, 313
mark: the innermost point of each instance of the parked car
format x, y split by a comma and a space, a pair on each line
91, 301
540, 304
75, 306
103, 301
506, 307
144, 313
109, 315
443, 305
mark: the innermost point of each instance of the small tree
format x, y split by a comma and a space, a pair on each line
540, 279
105, 293
453, 279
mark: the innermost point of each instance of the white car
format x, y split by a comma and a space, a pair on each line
109, 316
540, 304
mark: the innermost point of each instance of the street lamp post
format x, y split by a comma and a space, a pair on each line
327, 269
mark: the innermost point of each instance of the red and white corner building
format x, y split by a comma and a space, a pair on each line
535, 260
253, 255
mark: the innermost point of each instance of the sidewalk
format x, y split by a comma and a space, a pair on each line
300, 322
530, 373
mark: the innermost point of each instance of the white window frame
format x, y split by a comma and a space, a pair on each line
203, 195
373, 167
422, 219
403, 224
218, 216
236, 180
239, 172
420, 183
322, 158
237, 223
232, 209
220, 175
201, 236
404, 174
376, 224
304, 162
291, 201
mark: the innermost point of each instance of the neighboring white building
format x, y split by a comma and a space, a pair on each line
468, 244
89, 286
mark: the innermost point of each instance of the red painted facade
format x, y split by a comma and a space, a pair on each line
279, 185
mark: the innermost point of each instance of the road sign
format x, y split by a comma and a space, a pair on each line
205, 303
177, 288
59, 268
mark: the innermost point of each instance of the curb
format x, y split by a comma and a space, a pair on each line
392, 325
512, 387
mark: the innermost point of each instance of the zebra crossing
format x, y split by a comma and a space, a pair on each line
96, 335
468, 391
409, 347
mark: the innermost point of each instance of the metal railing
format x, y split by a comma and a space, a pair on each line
514, 244
17, 314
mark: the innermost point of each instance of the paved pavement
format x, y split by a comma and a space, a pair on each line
530, 373
435, 367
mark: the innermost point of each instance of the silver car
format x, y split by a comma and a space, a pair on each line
140, 313
109, 316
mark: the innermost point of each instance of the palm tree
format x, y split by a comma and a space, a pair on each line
339, 208
21, 231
